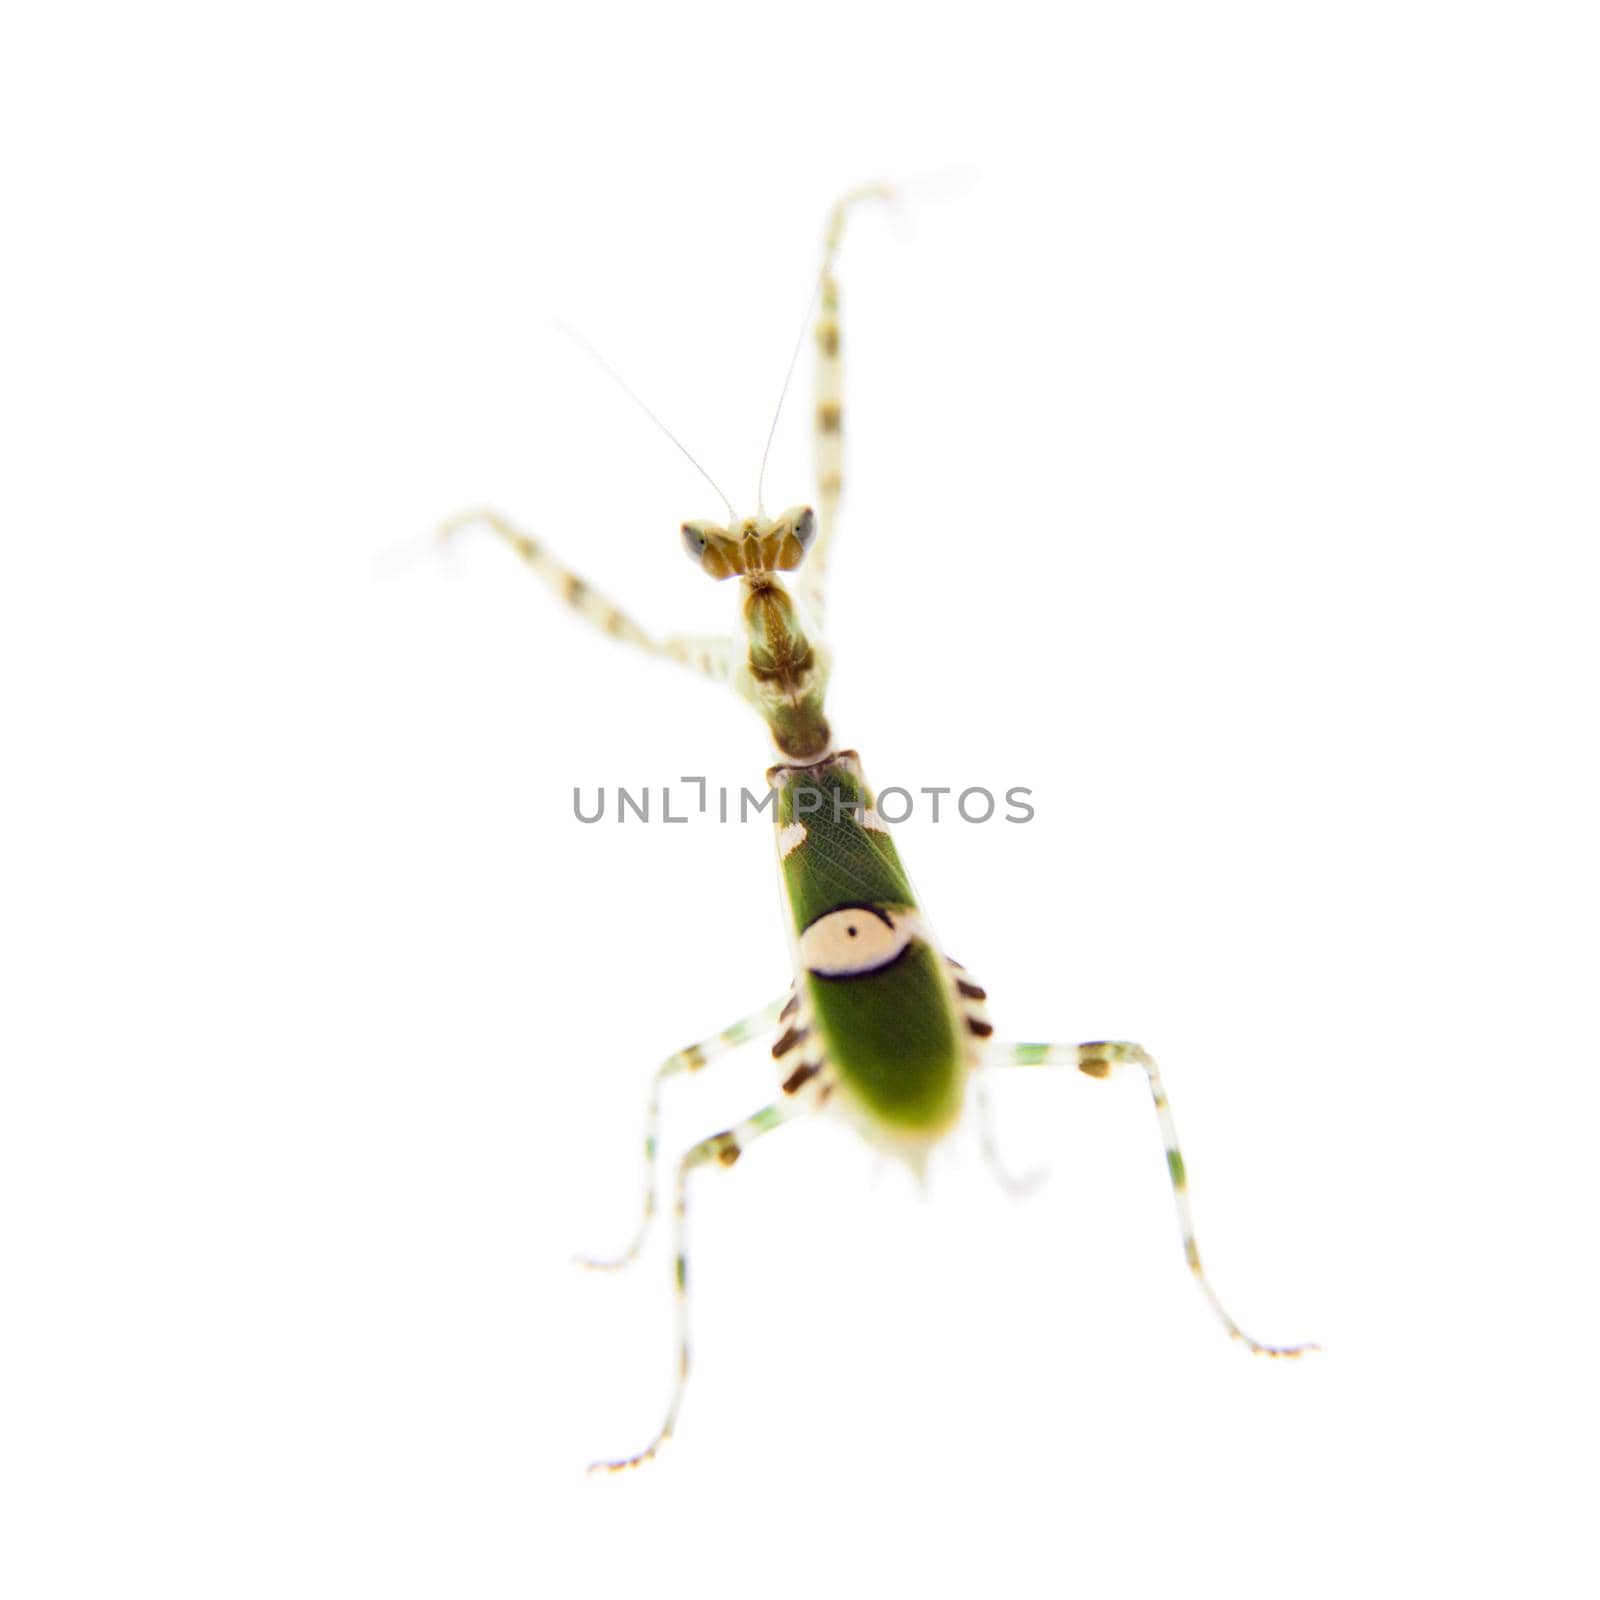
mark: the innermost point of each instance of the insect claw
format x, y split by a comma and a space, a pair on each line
1285, 1352
597, 1469
606, 1263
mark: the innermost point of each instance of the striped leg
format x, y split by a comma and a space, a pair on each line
722, 1149
690, 1059
1097, 1061
711, 656
828, 392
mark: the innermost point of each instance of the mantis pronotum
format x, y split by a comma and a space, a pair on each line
877, 1023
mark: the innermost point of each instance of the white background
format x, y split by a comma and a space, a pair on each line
1223, 406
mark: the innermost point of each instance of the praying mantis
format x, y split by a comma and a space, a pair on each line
878, 1024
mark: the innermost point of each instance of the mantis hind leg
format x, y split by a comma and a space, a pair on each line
721, 1150
690, 1059
1100, 1060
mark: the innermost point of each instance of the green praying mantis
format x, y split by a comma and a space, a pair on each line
877, 1024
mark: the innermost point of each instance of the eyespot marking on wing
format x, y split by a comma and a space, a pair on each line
853, 939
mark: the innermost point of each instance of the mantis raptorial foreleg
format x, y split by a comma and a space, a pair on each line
711, 656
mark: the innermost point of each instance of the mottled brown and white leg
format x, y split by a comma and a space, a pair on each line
712, 657
1099, 1060
690, 1059
721, 1150
828, 400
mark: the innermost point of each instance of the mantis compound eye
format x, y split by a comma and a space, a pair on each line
805, 527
